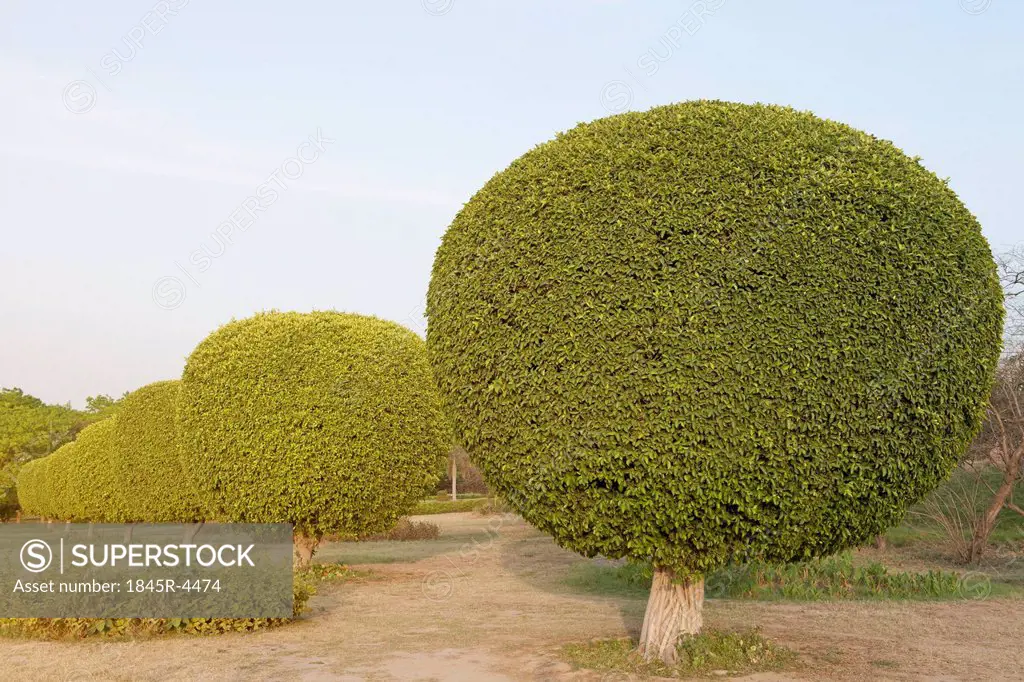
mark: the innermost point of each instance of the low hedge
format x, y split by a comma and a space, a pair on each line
78, 628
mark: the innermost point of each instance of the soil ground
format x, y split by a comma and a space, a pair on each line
489, 601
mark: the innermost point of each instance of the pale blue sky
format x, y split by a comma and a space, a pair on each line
425, 100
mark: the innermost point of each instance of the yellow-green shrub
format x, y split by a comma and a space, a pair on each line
147, 460
328, 421
29, 485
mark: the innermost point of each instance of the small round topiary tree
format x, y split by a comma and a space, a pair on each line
148, 462
83, 483
713, 332
31, 498
328, 421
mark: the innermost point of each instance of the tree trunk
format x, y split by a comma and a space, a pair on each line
455, 491
987, 523
305, 547
190, 532
673, 610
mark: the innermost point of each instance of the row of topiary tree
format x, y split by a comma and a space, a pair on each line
124, 469
327, 421
710, 332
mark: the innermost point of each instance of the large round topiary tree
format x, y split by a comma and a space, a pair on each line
148, 462
328, 421
713, 332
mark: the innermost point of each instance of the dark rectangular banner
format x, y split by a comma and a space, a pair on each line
211, 570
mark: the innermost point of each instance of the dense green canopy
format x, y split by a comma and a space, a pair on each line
147, 460
326, 420
714, 331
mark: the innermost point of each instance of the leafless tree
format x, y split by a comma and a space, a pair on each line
1011, 276
1002, 442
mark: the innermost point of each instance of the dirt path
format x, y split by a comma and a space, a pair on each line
488, 602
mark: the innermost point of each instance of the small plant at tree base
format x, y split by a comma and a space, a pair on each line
731, 652
327, 421
713, 332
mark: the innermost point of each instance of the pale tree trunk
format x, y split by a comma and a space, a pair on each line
673, 610
455, 492
305, 547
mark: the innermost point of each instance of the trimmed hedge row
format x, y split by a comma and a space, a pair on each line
328, 421
123, 469
147, 460
303, 588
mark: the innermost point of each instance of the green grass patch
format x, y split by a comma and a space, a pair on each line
832, 578
828, 579
447, 507
446, 497
736, 653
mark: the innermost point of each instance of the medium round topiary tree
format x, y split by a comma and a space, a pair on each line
31, 498
328, 421
713, 332
83, 483
148, 462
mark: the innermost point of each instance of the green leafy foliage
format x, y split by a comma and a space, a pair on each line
326, 420
714, 332
77, 483
30, 429
30, 493
147, 460
124, 469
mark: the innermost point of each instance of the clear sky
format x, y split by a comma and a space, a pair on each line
133, 130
